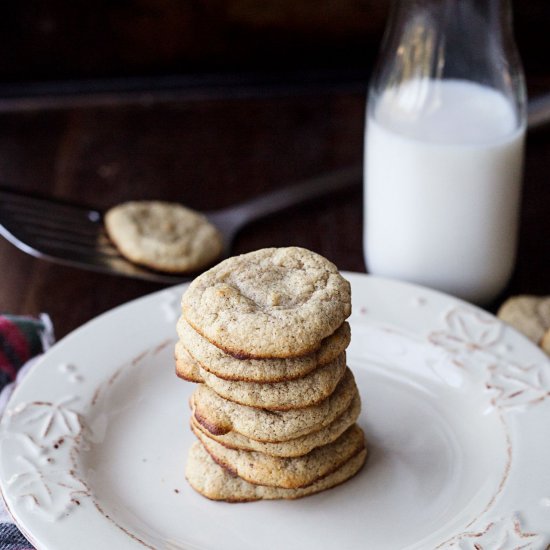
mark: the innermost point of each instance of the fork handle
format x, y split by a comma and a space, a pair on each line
292, 195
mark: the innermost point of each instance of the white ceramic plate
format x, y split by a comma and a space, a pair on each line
456, 408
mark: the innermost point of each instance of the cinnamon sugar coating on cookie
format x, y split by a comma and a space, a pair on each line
293, 447
164, 236
215, 361
271, 303
221, 416
275, 396
288, 473
216, 483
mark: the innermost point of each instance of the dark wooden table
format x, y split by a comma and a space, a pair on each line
209, 154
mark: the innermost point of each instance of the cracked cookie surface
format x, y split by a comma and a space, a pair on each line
271, 303
164, 236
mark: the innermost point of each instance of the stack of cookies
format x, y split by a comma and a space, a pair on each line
264, 335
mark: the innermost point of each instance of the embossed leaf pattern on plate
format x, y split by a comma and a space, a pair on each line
469, 335
519, 385
503, 534
473, 339
38, 443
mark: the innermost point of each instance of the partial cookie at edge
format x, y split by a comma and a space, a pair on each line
528, 314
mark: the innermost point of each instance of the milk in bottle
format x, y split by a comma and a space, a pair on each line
442, 192
444, 142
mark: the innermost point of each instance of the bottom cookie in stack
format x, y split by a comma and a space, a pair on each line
245, 453
286, 472
217, 483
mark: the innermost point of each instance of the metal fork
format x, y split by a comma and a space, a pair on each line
74, 235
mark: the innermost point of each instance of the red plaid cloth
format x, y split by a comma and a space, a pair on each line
21, 339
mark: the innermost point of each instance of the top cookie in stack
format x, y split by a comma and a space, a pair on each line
272, 303
266, 332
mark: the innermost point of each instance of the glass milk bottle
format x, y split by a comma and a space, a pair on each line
444, 145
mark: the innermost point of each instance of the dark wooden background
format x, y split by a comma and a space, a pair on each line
57, 39
209, 103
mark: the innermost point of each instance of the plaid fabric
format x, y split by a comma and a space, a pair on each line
12, 539
21, 339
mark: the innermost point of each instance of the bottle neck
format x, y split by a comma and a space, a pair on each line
472, 27
459, 39
468, 40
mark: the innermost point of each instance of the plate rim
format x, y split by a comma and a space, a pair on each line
175, 292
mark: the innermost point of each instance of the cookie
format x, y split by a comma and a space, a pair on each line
225, 366
276, 396
219, 416
289, 473
214, 482
163, 236
545, 342
271, 303
293, 447
528, 314
186, 367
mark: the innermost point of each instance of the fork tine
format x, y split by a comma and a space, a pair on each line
50, 213
61, 234
44, 241
36, 226
99, 242
65, 245
54, 229
17, 201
